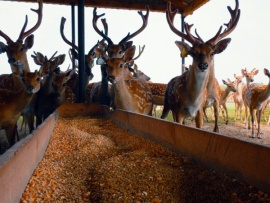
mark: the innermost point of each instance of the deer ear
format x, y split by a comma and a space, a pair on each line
266, 72
29, 41
2, 48
221, 45
224, 82
129, 53
256, 72
60, 59
127, 45
184, 48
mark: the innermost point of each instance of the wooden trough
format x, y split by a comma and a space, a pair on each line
240, 159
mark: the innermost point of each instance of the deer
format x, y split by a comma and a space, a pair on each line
186, 94
53, 87
224, 94
131, 94
255, 96
113, 51
13, 102
237, 97
17, 54
249, 79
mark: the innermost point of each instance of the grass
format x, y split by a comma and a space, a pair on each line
231, 113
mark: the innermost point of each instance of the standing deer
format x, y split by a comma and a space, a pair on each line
237, 97
131, 94
255, 96
101, 92
249, 79
224, 94
13, 102
186, 94
53, 86
17, 55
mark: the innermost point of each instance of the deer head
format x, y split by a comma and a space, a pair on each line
203, 52
117, 50
138, 73
59, 84
249, 75
16, 51
231, 85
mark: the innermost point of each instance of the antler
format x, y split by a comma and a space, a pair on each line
235, 15
145, 22
140, 53
39, 12
94, 22
170, 18
62, 25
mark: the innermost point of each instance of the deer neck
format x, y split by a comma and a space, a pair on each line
197, 82
225, 94
122, 95
239, 88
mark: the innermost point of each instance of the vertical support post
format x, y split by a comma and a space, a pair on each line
81, 97
183, 31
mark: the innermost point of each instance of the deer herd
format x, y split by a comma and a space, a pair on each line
35, 95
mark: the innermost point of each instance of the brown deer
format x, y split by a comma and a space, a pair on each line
186, 94
101, 92
43, 100
131, 94
237, 97
13, 102
224, 94
255, 96
249, 79
17, 55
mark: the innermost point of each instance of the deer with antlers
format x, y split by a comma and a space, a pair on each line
113, 51
255, 96
13, 102
17, 56
186, 94
224, 94
131, 94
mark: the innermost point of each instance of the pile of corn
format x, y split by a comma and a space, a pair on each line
93, 160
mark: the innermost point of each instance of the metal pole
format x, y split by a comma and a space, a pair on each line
81, 51
73, 30
183, 30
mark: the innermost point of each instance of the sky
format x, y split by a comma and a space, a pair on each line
249, 47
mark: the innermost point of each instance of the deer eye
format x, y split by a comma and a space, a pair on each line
22, 49
212, 54
120, 52
38, 79
121, 65
64, 84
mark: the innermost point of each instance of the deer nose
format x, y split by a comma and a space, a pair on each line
11, 60
57, 96
111, 78
29, 88
203, 66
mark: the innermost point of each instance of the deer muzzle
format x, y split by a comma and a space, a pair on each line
203, 66
111, 78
